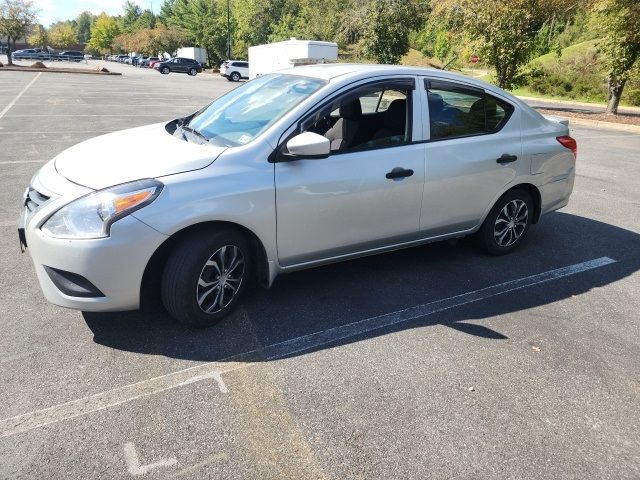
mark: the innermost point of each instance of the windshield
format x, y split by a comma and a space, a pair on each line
244, 113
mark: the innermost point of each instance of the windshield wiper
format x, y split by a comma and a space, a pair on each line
193, 131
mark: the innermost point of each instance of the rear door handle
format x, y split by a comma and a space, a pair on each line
506, 158
399, 172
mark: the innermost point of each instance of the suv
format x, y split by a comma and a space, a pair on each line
179, 65
70, 56
234, 70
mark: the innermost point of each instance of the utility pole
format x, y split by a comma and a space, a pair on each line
228, 29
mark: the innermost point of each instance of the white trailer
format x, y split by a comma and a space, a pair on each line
290, 53
195, 53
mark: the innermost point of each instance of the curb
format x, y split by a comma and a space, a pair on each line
51, 70
632, 110
622, 127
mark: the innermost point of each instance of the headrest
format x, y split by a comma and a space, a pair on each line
351, 110
436, 102
396, 115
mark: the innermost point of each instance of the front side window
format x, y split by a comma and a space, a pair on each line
460, 111
245, 112
371, 117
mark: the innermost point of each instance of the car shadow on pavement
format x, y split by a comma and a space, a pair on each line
317, 300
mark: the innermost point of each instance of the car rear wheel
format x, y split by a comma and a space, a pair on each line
508, 222
235, 76
165, 70
193, 72
205, 277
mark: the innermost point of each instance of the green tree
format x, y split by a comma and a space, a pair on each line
620, 23
16, 18
130, 16
103, 32
83, 26
205, 23
146, 20
505, 29
39, 37
385, 35
167, 39
63, 35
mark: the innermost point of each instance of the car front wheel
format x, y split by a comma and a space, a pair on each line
205, 277
508, 222
165, 70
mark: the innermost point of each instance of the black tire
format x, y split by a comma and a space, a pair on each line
235, 76
165, 70
193, 72
187, 264
490, 235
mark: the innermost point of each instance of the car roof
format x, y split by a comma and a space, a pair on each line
359, 71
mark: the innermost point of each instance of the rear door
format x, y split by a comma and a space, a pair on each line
474, 151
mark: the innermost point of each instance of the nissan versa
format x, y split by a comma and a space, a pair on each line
288, 171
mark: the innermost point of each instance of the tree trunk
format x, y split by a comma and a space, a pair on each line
9, 50
615, 87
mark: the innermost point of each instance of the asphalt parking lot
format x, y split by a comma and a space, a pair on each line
432, 362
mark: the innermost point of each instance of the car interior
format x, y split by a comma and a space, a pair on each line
371, 120
456, 114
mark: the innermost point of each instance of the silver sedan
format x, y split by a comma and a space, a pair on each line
291, 170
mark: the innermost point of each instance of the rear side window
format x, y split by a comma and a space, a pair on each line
460, 111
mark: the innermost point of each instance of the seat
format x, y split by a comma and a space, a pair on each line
477, 116
395, 120
344, 132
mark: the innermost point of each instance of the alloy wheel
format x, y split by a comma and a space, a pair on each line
511, 223
220, 279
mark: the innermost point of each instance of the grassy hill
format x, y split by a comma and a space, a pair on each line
578, 73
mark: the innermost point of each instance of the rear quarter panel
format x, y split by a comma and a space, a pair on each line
552, 166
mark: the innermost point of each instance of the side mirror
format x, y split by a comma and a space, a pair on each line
309, 145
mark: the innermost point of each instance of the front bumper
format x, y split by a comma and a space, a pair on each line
114, 265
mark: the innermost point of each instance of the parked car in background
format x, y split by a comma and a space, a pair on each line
70, 56
31, 54
121, 58
234, 70
145, 63
179, 65
355, 160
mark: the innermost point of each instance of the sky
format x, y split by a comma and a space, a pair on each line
53, 10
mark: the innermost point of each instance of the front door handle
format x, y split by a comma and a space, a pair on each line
399, 172
506, 158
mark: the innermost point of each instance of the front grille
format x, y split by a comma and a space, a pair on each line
34, 200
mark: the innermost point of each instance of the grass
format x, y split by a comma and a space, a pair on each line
569, 54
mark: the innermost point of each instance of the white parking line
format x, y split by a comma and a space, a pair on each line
133, 462
11, 162
127, 393
17, 97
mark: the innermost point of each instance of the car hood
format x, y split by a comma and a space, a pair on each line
127, 155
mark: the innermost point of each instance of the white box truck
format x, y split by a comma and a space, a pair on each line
290, 53
195, 53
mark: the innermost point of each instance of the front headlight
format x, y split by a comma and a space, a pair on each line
91, 216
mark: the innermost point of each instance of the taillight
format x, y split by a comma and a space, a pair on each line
570, 143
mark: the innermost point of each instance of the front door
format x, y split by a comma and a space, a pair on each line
368, 192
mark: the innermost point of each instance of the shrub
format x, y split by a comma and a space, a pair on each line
633, 97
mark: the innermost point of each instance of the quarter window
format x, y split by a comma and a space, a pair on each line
460, 111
